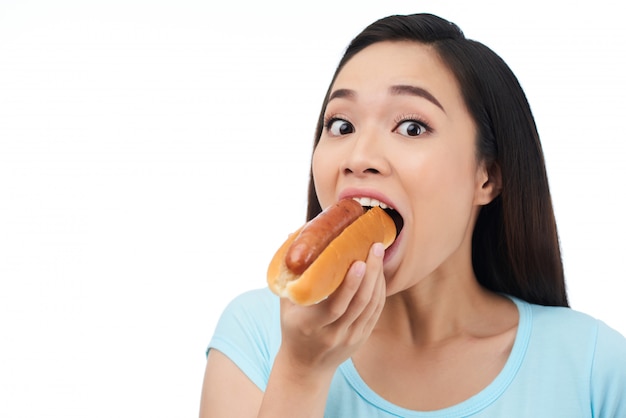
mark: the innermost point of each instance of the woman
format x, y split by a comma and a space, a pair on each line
466, 314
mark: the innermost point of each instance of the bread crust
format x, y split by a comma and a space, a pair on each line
327, 272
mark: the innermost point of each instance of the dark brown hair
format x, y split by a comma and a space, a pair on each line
515, 246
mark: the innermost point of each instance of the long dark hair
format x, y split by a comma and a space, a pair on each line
515, 245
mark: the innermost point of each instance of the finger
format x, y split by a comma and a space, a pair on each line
337, 304
363, 296
329, 310
366, 322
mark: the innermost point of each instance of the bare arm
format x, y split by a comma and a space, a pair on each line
227, 391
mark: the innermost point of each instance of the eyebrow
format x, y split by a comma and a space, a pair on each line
394, 90
342, 94
415, 91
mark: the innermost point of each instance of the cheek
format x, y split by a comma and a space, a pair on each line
445, 174
442, 195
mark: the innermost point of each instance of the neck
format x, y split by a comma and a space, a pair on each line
440, 308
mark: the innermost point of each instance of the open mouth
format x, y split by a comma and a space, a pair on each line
369, 203
397, 219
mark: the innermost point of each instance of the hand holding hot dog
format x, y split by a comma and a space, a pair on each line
317, 338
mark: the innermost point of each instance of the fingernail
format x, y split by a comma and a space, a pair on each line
359, 268
379, 249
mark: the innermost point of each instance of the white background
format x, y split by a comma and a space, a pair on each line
153, 155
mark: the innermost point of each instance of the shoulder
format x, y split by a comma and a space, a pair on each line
567, 321
580, 332
569, 317
563, 324
257, 299
566, 337
254, 308
248, 332
611, 343
584, 359
250, 319
574, 333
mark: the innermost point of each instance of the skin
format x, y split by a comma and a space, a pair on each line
414, 149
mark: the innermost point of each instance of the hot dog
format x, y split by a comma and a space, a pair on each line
323, 249
315, 236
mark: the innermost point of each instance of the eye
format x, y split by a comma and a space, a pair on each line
411, 128
338, 127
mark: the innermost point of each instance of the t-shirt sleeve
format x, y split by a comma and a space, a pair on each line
608, 376
248, 332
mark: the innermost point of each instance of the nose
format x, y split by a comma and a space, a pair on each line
366, 156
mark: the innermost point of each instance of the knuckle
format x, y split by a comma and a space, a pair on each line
361, 299
335, 310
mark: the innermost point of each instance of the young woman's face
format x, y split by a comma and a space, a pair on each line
397, 130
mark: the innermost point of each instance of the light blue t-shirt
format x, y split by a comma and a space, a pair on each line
563, 364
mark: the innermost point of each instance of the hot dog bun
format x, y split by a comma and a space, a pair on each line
327, 272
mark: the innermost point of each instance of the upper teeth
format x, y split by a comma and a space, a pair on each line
368, 201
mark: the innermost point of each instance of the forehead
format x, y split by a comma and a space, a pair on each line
398, 63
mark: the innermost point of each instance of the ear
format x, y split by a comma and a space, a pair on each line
488, 183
